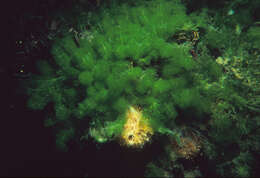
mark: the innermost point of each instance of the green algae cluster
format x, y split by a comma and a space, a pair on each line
126, 54
123, 60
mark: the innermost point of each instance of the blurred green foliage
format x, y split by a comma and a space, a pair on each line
254, 35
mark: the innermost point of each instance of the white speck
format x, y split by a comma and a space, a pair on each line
231, 12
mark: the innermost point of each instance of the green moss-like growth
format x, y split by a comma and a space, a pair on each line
202, 91
124, 59
254, 35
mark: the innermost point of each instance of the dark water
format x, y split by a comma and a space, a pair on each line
29, 150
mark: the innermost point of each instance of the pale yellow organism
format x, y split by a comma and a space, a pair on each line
237, 73
238, 30
136, 130
222, 61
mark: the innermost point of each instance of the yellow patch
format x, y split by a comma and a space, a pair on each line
136, 131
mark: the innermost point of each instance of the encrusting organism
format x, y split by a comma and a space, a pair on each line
136, 131
189, 144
